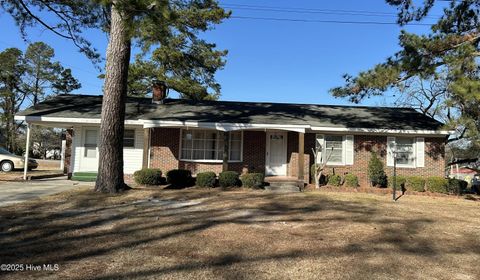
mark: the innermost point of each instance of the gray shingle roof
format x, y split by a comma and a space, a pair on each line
87, 106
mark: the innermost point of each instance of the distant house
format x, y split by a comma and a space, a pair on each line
274, 138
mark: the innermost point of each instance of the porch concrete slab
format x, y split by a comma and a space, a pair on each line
21, 191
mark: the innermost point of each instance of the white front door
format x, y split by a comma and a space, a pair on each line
276, 154
89, 156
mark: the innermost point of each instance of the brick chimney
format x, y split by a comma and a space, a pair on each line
159, 92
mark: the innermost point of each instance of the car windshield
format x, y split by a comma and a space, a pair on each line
3, 151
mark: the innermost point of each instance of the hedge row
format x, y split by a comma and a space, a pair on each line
349, 180
183, 178
434, 184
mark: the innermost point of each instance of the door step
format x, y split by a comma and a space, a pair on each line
276, 187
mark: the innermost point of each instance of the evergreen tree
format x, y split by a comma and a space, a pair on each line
450, 49
377, 175
32, 76
147, 22
12, 93
65, 82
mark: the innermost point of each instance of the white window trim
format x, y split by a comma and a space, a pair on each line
414, 148
332, 163
83, 142
209, 160
324, 150
134, 138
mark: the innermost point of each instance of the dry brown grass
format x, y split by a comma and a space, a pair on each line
204, 234
45, 168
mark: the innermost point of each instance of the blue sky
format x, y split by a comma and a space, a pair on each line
274, 61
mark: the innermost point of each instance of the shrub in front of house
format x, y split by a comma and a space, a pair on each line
148, 176
229, 179
437, 184
456, 186
335, 180
179, 177
415, 183
252, 180
400, 181
206, 179
351, 180
376, 173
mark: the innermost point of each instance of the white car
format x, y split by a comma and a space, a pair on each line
9, 161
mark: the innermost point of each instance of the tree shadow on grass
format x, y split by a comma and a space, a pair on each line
92, 226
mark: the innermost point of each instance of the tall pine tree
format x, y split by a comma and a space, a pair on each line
146, 22
448, 52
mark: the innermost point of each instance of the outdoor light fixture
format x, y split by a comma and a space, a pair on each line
188, 136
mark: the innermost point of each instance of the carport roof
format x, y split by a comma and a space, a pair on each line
89, 107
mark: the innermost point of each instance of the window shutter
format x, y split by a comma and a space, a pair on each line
319, 147
390, 149
420, 147
349, 151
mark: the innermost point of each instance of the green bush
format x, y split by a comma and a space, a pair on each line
456, 186
401, 180
437, 184
179, 177
351, 180
148, 176
335, 180
206, 179
415, 183
375, 171
252, 180
229, 179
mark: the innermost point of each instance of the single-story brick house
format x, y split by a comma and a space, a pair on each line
274, 138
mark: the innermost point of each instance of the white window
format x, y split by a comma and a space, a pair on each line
90, 144
405, 151
208, 145
337, 149
129, 138
334, 149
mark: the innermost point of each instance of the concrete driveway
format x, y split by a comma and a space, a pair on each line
15, 192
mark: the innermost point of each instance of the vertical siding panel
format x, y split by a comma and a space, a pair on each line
132, 157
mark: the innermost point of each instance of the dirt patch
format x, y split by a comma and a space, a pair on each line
205, 234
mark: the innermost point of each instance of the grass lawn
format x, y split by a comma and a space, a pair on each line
205, 234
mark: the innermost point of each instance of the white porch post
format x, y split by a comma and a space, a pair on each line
27, 148
62, 155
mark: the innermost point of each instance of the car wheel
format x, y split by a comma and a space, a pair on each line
7, 166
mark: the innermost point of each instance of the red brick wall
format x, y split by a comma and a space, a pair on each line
165, 155
365, 144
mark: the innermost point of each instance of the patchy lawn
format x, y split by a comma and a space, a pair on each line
204, 234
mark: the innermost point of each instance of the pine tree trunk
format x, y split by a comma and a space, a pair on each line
110, 169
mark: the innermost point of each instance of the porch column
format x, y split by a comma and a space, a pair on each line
146, 147
27, 149
301, 157
226, 138
68, 164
